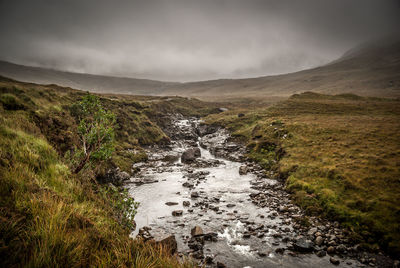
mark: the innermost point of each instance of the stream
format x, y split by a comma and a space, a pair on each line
246, 218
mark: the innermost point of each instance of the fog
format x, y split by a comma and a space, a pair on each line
187, 40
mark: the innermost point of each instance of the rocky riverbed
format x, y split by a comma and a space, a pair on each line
223, 210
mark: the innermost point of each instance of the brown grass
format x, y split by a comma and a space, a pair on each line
341, 160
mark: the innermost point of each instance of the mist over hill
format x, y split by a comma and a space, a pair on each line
94, 83
370, 70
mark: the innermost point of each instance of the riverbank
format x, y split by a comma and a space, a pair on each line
240, 216
338, 156
50, 217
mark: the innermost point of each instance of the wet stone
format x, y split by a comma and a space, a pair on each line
221, 265
177, 213
262, 253
196, 231
331, 250
246, 235
321, 253
213, 237
194, 195
171, 203
243, 170
319, 240
334, 261
270, 197
170, 243
303, 245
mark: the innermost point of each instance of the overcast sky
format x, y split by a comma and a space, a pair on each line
189, 40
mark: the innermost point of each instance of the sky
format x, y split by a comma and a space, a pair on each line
187, 40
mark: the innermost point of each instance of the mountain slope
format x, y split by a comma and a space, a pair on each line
369, 70
95, 83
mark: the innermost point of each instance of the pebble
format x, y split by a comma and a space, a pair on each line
319, 240
334, 261
177, 213
321, 253
330, 250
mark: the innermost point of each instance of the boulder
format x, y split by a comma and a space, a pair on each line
170, 244
196, 231
209, 259
302, 245
114, 176
211, 236
203, 129
140, 181
197, 152
171, 158
186, 203
195, 244
190, 155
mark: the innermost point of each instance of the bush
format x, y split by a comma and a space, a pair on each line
10, 102
95, 130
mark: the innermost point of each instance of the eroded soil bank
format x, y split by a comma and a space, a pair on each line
224, 210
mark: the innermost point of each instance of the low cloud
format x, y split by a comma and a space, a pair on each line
189, 40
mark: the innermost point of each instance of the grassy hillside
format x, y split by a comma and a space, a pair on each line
50, 217
369, 70
338, 154
95, 83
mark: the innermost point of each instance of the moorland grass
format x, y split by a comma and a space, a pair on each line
50, 217
339, 156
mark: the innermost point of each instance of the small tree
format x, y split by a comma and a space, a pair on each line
95, 130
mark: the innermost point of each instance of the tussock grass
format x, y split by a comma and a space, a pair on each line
340, 156
48, 216
138, 117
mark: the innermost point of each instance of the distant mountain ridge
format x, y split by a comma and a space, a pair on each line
368, 70
91, 82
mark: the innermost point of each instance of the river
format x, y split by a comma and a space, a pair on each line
246, 234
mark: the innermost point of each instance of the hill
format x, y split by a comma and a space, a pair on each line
51, 217
94, 83
369, 70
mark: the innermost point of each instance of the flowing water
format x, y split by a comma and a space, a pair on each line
225, 189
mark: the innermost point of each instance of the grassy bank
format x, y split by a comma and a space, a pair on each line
338, 154
50, 217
